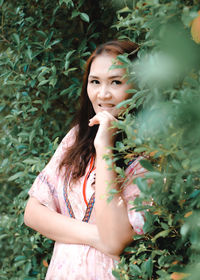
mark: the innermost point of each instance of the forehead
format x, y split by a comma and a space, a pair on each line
102, 63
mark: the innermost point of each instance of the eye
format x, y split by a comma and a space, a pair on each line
116, 82
95, 82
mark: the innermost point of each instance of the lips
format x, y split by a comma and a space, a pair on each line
106, 105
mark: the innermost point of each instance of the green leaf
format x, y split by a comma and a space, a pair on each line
153, 175
75, 13
165, 226
16, 38
116, 274
149, 267
84, 17
124, 103
69, 3
19, 263
41, 33
53, 43
19, 258
142, 184
140, 149
16, 176
52, 81
162, 234
124, 10
29, 53
27, 268
31, 135
31, 161
67, 62
42, 83
135, 269
64, 91
147, 164
132, 90
123, 58
2, 236
69, 54
113, 191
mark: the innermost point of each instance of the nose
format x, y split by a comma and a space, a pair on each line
104, 92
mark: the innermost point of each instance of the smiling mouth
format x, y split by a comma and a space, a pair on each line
106, 106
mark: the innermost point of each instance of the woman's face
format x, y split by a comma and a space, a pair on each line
106, 88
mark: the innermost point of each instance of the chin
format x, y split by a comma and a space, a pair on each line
110, 111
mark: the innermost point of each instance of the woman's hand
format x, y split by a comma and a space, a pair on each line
106, 133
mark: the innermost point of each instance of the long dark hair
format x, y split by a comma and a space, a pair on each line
76, 158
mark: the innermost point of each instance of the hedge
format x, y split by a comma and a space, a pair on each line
44, 46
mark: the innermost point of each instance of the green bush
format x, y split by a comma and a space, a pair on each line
44, 46
166, 131
43, 49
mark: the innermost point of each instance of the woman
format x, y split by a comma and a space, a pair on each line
89, 236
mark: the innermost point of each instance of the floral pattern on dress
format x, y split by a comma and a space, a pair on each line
73, 261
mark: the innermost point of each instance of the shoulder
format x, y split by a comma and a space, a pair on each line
70, 137
134, 168
59, 154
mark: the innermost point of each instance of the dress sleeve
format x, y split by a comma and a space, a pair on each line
45, 186
130, 192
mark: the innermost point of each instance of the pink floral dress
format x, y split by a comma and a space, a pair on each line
72, 261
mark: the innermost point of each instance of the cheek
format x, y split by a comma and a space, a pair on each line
123, 96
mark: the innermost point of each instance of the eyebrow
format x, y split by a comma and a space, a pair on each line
110, 77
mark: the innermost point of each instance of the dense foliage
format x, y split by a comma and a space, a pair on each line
166, 131
44, 45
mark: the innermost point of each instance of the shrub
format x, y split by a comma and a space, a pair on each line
166, 131
43, 49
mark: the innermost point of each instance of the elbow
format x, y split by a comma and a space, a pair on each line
27, 218
115, 250
116, 246
28, 213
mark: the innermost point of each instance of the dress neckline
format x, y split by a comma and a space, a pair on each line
89, 204
91, 168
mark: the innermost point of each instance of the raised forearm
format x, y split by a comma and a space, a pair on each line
112, 218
